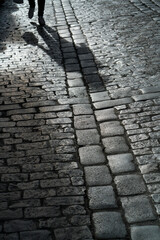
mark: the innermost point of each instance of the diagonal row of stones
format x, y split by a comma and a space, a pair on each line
130, 185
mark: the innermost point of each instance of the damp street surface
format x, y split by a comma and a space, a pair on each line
80, 121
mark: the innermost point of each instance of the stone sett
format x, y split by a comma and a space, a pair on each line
19, 226
81, 109
91, 155
101, 197
73, 233
87, 137
84, 122
105, 226
105, 114
115, 145
147, 232
36, 235
97, 175
137, 209
130, 184
120, 163
111, 128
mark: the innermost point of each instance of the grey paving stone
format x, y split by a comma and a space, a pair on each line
75, 82
99, 96
138, 209
105, 226
54, 183
111, 128
121, 92
38, 193
84, 122
101, 197
58, 121
18, 177
81, 109
59, 222
145, 96
87, 137
74, 209
19, 226
146, 232
55, 108
10, 236
112, 103
152, 177
115, 145
130, 184
97, 175
23, 185
106, 114
80, 220
91, 155
25, 203
73, 233
36, 235
38, 212
74, 100
64, 201
77, 92
154, 188
71, 191
11, 214
157, 206
120, 163
32, 123
156, 198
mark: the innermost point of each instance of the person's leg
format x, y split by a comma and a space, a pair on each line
31, 8
31, 3
41, 5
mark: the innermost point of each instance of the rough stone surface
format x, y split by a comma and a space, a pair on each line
36, 235
130, 184
106, 114
87, 137
112, 128
138, 209
97, 175
84, 122
115, 145
121, 163
91, 155
81, 109
101, 197
145, 232
105, 225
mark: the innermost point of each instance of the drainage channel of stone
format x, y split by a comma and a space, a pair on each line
114, 185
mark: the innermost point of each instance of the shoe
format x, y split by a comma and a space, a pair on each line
31, 12
41, 20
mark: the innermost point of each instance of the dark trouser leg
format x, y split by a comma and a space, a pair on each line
41, 4
32, 3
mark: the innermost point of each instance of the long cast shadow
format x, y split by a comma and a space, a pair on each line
52, 39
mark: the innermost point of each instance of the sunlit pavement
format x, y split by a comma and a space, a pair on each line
80, 121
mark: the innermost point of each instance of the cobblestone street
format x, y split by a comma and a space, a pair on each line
80, 121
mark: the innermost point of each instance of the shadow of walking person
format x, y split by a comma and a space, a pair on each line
73, 58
